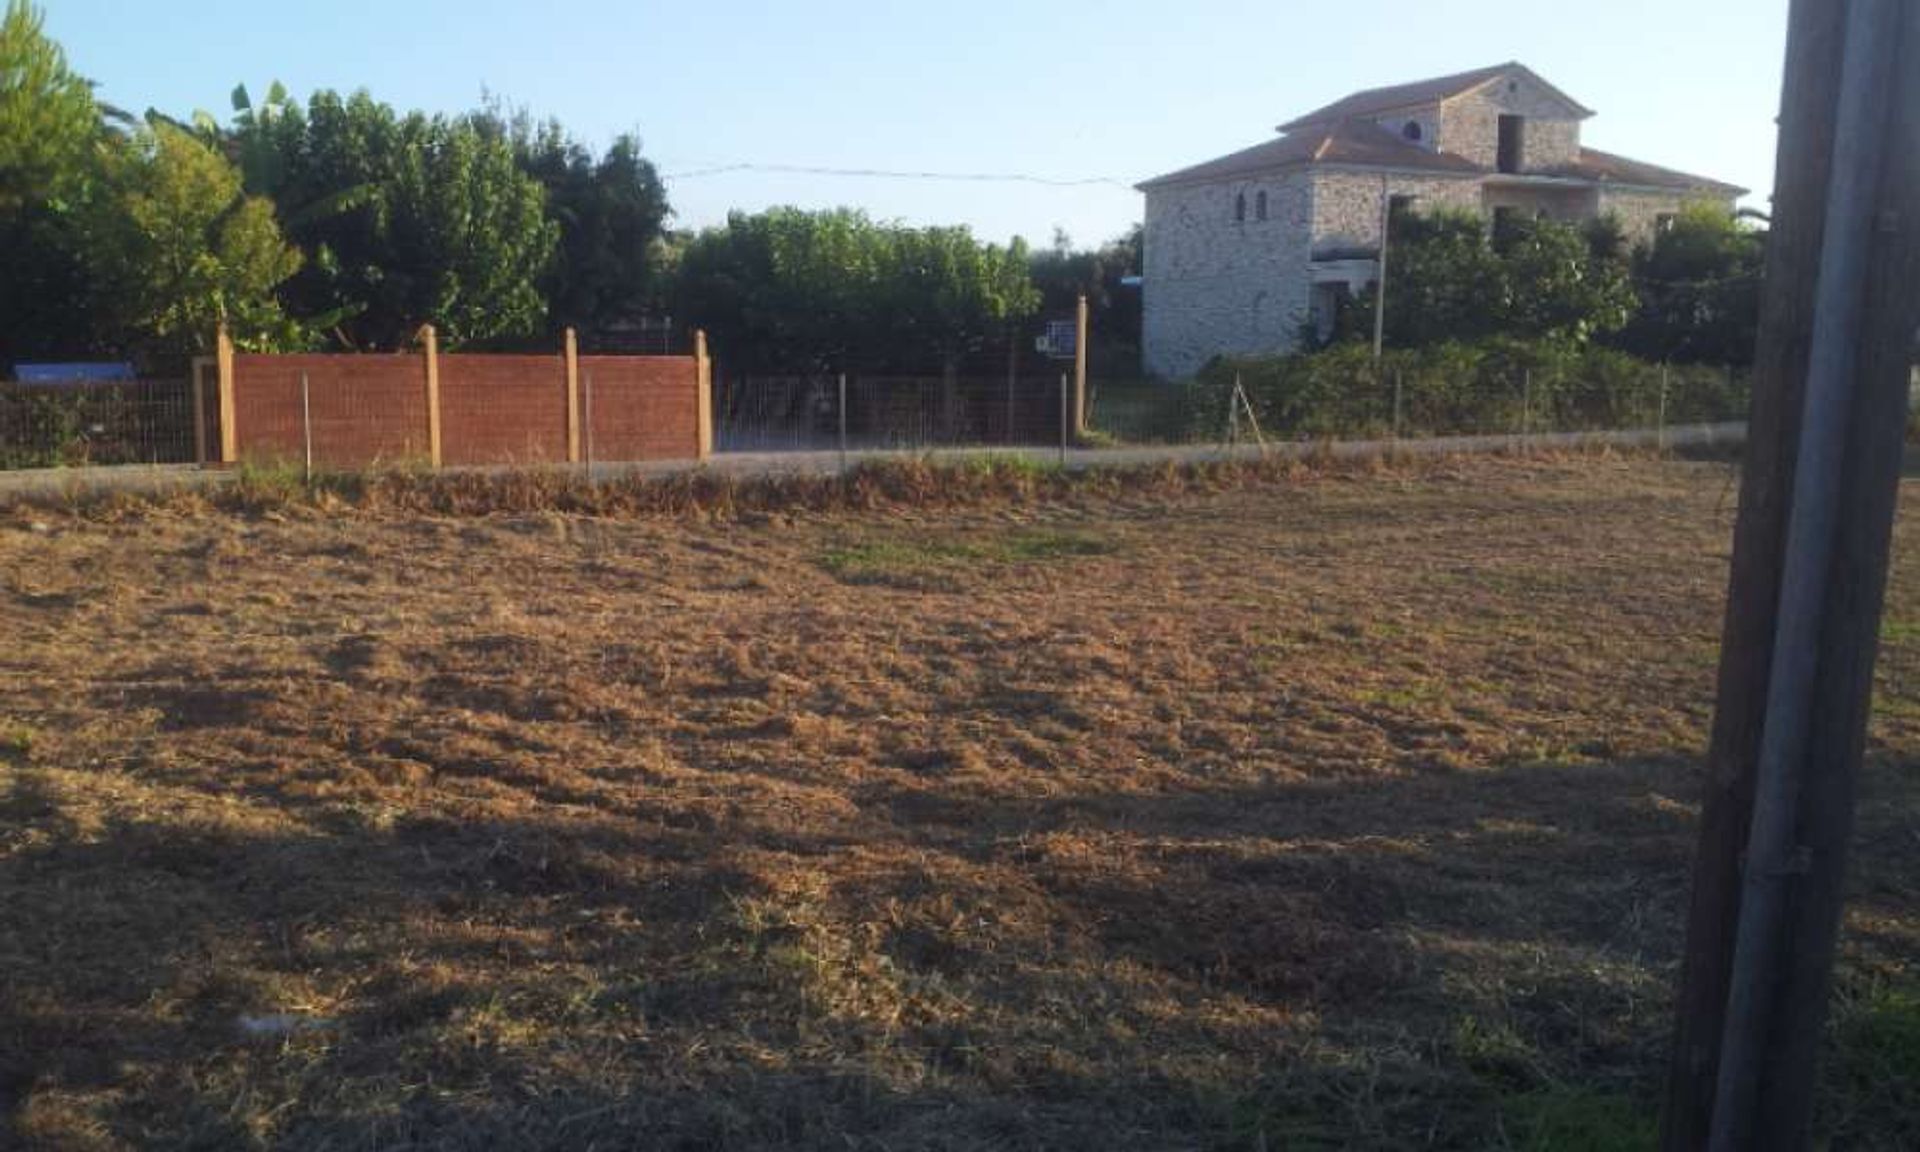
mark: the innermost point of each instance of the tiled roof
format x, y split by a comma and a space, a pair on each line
1357, 142
1607, 168
1374, 101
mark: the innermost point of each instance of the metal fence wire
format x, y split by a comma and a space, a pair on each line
1295, 400
151, 421
75, 424
905, 413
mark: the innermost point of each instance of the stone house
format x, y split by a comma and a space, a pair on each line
1244, 252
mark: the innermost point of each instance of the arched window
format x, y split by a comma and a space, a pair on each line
1260, 205
1412, 130
1240, 208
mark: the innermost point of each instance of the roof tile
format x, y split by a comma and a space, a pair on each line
1358, 142
1374, 101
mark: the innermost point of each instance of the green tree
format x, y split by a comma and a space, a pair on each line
179, 247
611, 211
793, 291
49, 124
1449, 278
51, 132
1445, 282
471, 234
1699, 290
404, 220
1558, 285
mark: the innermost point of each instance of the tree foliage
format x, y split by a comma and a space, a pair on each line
178, 247
790, 290
1494, 385
49, 123
404, 220
611, 211
50, 133
1444, 280
1450, 278
1699, 290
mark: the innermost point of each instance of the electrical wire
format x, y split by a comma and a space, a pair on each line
887, 174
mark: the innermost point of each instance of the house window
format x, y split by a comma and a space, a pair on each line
1240, 208
1260, 206
1511, 128
1412, 131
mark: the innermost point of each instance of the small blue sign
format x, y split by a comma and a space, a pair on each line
78, 373
1060, 340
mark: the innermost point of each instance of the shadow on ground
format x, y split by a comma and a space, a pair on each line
1328, 963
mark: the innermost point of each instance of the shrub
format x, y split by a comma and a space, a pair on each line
1494, 385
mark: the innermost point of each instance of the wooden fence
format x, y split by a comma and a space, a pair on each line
458, 409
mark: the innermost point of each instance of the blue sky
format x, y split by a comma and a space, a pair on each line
1121, 90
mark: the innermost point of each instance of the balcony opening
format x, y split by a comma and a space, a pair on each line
1511, 129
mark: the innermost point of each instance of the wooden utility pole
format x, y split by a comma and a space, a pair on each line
1811, 541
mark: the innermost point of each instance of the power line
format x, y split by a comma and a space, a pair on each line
887, 174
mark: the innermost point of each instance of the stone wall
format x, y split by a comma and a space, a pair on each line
1639, 211
1214, 285
1427, 118
1470, 125
1549, 144
1346, 204
1557, 202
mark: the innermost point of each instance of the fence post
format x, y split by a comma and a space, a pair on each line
571, 353
1013, 378
1065, 429
430, 342
703, 385
1660, 428
1080, 367
198, 378
1526, 405
586, 421
223, 365
1396, 403
843, 422
306, 426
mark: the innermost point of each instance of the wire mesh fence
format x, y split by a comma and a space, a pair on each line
1440, 395
904, 413
1298, 399
1314, 398
76, 424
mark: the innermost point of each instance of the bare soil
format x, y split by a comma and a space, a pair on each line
1349, 811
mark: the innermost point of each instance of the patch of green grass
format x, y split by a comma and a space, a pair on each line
1010, 464
1567, 1118
1894, 631
1497, 1053
16, 740
1872, 1070
925, 559
1419, 695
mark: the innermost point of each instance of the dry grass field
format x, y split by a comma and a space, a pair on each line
1342, 811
